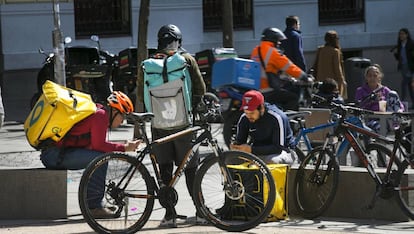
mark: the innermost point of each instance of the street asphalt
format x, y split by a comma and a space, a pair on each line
16, 152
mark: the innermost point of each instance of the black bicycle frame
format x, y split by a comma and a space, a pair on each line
205, 135
347, 129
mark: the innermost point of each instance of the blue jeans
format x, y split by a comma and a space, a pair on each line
75, 159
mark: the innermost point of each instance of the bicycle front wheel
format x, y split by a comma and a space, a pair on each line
238, 196
316, 183
121, 185
300, 154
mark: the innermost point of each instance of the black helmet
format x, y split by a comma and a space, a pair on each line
168, 32
273, 34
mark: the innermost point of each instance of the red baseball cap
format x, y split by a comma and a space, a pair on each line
251, 100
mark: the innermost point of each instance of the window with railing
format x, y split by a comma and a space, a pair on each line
341, 11
213, 14
102, 17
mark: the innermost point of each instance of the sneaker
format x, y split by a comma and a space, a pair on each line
168, 223
102, 213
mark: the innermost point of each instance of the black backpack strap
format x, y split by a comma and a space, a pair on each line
261, 59
165, 71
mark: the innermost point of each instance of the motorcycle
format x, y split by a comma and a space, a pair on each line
87, 69
231, 94
125, 76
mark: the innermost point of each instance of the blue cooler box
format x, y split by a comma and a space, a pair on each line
236, 71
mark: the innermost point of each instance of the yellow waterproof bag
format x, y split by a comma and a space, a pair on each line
258, 193
54, 114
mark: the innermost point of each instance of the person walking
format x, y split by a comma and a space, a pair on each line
293, 45
405, 57
329, 62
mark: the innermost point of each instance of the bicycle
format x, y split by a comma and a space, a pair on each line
316, 180
303, 143
130, 189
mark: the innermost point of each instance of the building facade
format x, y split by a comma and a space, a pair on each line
367, 28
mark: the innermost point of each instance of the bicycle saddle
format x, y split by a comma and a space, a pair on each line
140, 117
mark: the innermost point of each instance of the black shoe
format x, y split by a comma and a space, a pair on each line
102, 213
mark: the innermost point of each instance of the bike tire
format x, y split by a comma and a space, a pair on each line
404, 189
316, 183
381, 154
401, 189
132, 203
300, 154
212, 192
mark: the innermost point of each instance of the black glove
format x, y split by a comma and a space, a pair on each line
197, 102
311, 78
307, 78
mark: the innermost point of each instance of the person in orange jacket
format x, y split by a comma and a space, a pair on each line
275, 88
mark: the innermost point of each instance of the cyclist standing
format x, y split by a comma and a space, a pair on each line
274, 64
169, 42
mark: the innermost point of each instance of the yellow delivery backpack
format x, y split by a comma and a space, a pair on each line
237, 209
54, 114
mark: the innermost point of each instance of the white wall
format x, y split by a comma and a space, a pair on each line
26, 27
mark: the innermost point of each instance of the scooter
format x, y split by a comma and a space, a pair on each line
231, 99
87, 69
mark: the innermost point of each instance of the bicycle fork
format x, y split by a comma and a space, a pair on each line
233, 189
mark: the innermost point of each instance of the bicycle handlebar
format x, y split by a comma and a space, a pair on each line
343, 109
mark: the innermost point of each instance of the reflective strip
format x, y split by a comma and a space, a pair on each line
286, 66
281, 127
268, 54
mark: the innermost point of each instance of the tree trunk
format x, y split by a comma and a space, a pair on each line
142, 54
227, 23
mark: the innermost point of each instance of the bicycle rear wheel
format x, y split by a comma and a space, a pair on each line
128, 193
316, 183
381, 155
251, 190
404, 187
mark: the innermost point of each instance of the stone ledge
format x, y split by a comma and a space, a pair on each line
355, 191
33, 193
